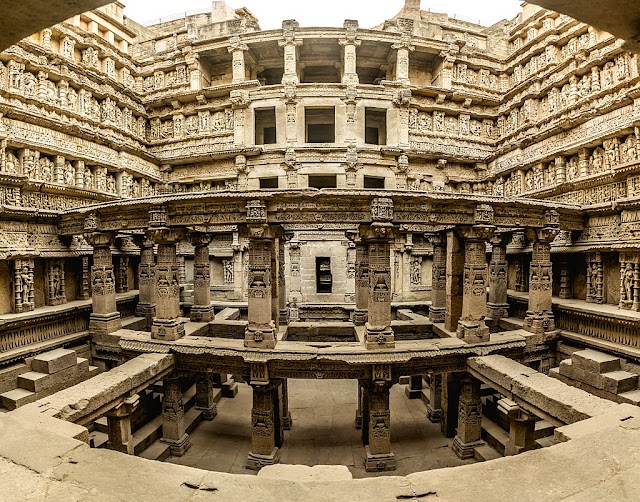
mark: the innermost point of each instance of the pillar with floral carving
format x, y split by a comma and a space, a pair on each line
202, 310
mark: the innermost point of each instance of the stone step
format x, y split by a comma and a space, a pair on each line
98, 439
157, 451
543, 429
147, 435
101, 425
54, 361
631, 397
38, 381
494, 435
485, 453
228, 314
595, 362
16, 398
545, 442
619, 381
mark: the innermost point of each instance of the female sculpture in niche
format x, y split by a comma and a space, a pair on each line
27, 283
627, 283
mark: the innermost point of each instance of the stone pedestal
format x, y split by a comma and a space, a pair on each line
378, 455
438, 279
434, 408
361, 313
497, 305
105, 317
468, 436
119, 423
539, 318
173, 426
167, 324
265, 424
522, 428
414, 389
202, 311
472, 327
204, 396
146, 282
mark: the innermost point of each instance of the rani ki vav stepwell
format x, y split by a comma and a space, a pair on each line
397, 263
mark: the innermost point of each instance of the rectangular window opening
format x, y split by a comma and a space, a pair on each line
269, 183
265, 119
374, 182
375, 126
324, 279
323, 181
320, 124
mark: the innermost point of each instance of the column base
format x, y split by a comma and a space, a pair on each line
434, 414
260, 338
229, 389
27, 307
283, 316
208, 414
255, 461
360, 317
103, 324
539, 323
412, 393
465, 450
178, 447
379, 462
436, 314
378, 338
473, 331
167, 329
497, 310
202, 313
287, 422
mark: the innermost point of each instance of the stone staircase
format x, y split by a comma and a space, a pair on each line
599, 374
49, 373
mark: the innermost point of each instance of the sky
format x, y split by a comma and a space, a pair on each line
369, 13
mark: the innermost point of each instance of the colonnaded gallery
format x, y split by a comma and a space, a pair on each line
408, 253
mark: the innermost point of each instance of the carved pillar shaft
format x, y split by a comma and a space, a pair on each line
86, 279
362, 284
56, 294
378, 327
539, 318
468, 435
454, 281
378, 449
105, 317
438, 279
522, 427
565, 280
239, 72
146, 282
173, 425
594, 278
264, 426
283, 311
350, 73
497, 306
286, 413
123, 275
202, 311
205, 400
23, 285
261, 329
119, 423
434, 408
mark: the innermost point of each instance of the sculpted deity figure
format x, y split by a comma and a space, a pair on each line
27, 283
415, 272
228, 271
627, 282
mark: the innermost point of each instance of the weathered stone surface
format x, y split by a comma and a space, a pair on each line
304, 473
53, 361
595, 362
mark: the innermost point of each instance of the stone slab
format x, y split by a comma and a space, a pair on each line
614, 418
595, 362
573, 372
619, 381
54, 361
228, 314
16, 398
38, 382
304, 473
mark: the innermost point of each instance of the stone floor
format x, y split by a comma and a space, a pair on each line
323, 432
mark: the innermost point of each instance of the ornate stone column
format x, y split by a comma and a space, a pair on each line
202, 311
261, 329
350, 42
561, 170
468, 436
472, 327
86, 279
497, 305
361, 314
295, 285
283, 310
378, 448
122, 283
173, 426
403, 48
438, 278
119, 423
204, 396
56, 294
287, 422
565, 279
539, 318
240, 103
237, 50
289, 43
434, 408
167, 324
522, 428
454, 281
146, 281
266, 437
379, 235
594, 278
105, 317
23, 285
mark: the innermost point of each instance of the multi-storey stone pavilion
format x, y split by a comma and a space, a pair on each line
199, 208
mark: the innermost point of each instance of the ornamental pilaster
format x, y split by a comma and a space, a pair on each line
350, 43
237, 49
202, 311
438, 278
594, 275
290, 43
146, 280
497, 305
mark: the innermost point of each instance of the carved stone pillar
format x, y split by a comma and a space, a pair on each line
539, 318
289, 43
281, 300
497, 305
173, 426
119, 423
237, 50
565, 279
105, 317
450, 398
434, 408
472, 327
56, 294
202, 311
361, 313
287, 422
378, 448
86, 279
265, 424
402, 58
594, 278
438, 278
454, 281
167, 324
23, 285
359, 413
522, 278
240, 103
522, 428
378, 332
146, 282
350, 43
561, 170
414, 389
295, 285
630, 281
122, 283
204, 396
468, 436
261, 330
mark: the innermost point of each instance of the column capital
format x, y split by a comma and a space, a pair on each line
501, 238
378, 231
476, 232
546, 234
100, 239
436, 239
166, 235
199, 239
236, 44
125, 408
263, 232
